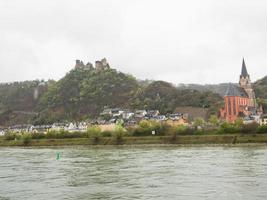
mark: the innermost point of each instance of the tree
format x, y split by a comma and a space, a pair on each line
214, 120
199, 122
239, 122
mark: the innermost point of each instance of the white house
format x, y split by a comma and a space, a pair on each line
82, 126
58, 126
263, 120
127, 115
140, 113
72, 127
2, 132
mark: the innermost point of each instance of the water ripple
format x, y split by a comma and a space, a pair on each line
134, 173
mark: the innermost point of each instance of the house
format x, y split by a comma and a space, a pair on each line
82, 126
159, 118
58, 126
20, 128
40, 128
263, 120
131, 123
116, 112
127, 115
112, 112
152, 114
112, 121
76, 127
106, 111
239, 100
2, 132
72, 127
140, 113
175, 116
248, 120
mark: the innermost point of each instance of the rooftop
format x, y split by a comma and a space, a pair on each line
234, 90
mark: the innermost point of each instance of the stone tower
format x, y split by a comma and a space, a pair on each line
245, 83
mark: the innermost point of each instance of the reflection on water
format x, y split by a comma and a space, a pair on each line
134, 173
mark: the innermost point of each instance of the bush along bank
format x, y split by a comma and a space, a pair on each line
144, 132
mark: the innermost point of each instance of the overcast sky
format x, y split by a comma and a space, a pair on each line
189, 41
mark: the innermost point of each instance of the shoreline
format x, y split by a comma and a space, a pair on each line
226, 139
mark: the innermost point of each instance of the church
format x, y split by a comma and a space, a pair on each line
240, 100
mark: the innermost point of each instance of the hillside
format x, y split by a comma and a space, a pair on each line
166, 98
84, 91
260, 88
18, 100
215, 88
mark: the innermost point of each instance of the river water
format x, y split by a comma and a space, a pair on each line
213, 172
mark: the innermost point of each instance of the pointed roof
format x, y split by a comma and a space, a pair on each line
244, 71
234, 90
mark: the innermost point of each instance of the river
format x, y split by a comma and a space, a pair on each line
156, 172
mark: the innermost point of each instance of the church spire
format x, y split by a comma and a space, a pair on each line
244, 71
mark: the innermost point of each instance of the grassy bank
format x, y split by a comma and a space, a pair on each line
189, 139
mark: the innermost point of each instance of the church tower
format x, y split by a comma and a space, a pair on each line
245, 83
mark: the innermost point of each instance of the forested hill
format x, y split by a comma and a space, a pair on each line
215, 88
84, 91
260, 88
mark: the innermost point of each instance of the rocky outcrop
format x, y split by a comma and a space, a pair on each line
99, 65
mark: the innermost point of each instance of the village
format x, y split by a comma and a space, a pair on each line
239, 104
111, 117
107, 121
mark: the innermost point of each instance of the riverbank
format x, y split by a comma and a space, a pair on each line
146, 140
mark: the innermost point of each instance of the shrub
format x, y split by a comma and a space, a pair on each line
64, 134
76, 134
214, 120
262, 129
145, 124
146, 127
38, 135
106, 134
53, 135
239, 122
11, 136
118, 134
249, 128
94, 133
156, 126
163, 129
184, 130
26, 139
139, 131
180, 129
199, 131
228, 128
199, 122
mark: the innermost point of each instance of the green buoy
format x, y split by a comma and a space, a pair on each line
58, 156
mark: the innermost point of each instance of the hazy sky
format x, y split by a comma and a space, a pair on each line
189, 41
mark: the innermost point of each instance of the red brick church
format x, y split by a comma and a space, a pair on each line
239, 100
